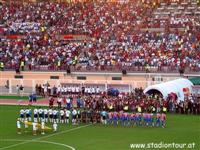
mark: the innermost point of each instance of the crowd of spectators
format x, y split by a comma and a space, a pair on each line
31, 37
127, 102
92, 97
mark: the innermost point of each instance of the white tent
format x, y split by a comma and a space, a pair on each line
176, 86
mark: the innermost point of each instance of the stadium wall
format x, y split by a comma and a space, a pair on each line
9, 80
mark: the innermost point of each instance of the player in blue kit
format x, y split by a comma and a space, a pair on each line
132, 119
145, 119
158, 119
115, 118
104, 115
110, 118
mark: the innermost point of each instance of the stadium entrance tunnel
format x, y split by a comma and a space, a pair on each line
154, 92
179, 88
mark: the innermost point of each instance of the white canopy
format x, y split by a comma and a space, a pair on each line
176, 86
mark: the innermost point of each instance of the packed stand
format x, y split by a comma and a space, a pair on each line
31, 38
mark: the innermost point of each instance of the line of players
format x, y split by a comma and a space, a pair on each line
131, 119
49, 115
34, 126
104, 117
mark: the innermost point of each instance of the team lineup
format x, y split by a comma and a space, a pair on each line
42, 117
99, 74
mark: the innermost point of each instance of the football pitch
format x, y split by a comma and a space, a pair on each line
180, 129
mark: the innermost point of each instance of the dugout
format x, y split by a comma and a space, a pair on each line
180, 87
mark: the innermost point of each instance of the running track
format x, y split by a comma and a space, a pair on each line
41, 102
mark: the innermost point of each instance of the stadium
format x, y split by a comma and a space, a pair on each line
99, 74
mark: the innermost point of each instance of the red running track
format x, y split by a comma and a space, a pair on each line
41, 102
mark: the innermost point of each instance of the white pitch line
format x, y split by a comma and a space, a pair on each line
49, 142
58, 133
10, 146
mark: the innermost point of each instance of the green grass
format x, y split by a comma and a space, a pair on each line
180, 129
16, 97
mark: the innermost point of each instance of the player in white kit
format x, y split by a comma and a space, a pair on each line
62, 114
28, 114
55, 127
74, 116
51, 115
34, 128
45, 115
22, 113
40, 112
35, 115
26, 125
42, 127
55, 115
18, 126
67, 114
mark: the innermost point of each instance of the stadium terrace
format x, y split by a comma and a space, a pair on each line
100, 36
99, 74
